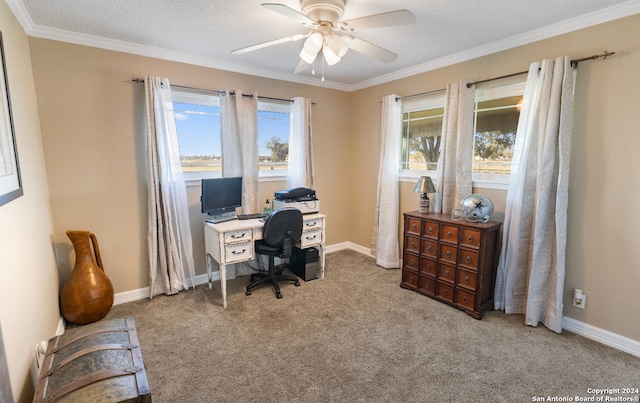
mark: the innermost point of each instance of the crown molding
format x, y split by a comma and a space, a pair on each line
21, 14
169, 54
608, 14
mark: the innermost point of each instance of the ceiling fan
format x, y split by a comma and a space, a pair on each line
331, 36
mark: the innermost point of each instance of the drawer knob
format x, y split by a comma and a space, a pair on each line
448, 253
428, 266
430, 248
445, 292
427, 286
431, 230
449, 234
235, 252
466, 279
238, 236
446, 273
412, 261
413, 244
414, 227
311, 237
470, 238
468, 259
465, 300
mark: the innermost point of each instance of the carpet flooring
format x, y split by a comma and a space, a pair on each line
356, 336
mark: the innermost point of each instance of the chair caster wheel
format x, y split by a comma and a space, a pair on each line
279, 295
247, 293
297, 284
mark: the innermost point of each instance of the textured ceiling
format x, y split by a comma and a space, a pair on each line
205, 32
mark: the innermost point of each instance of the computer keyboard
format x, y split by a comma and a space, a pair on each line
250, 216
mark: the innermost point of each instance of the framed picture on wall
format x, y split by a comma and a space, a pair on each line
10, 183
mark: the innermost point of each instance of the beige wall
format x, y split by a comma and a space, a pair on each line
28, 276
602, 253
93, 133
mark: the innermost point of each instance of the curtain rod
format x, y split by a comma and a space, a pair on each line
219, 92
574, 63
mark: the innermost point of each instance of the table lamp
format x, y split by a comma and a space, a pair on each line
424, 186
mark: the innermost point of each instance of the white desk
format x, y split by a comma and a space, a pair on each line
232, 242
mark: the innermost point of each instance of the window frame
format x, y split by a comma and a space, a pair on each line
433, 101
210, 99
277, 107
504, 88
489, 91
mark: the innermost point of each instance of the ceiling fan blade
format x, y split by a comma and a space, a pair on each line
302, 66
371, 50
398, 17
269, 43
289, 13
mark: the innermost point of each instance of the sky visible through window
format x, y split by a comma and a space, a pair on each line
199, 129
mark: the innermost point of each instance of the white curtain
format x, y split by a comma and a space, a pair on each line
531, 270
456, 154
385, 243
171, 267
239, 139
301, 168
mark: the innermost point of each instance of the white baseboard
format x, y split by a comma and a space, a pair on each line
580, 328
349, 245
130, 296
602, 336
142, 293
61, 326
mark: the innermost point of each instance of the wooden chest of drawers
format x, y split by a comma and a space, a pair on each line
451, 261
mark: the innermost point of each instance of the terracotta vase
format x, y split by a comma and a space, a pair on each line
87, 296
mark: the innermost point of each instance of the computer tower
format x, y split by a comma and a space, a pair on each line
305, 263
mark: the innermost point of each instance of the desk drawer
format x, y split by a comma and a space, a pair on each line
238, 236
312, 224
238, 251
310, 238
257, 233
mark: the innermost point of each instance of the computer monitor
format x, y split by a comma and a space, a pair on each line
220, 197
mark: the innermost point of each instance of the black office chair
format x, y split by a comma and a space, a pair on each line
282, 231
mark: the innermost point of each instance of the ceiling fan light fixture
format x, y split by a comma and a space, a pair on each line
311, 47
330, 56
324, 19
338, 45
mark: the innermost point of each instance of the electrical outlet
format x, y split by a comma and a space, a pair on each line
579, 299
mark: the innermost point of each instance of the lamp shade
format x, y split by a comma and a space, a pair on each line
424, 185
337, 44
311, 47
329, 56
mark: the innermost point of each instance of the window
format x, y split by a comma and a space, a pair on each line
421, 134
496, 114
274, 126
198, 125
